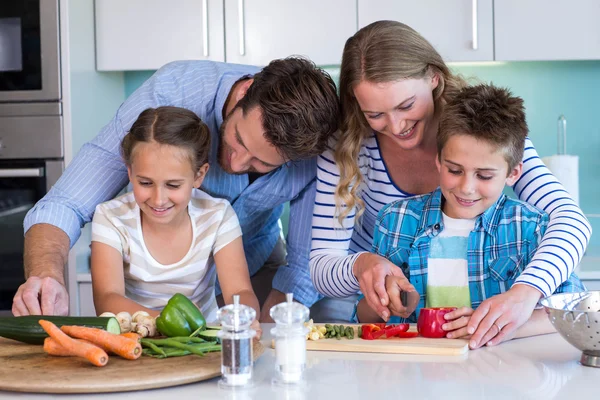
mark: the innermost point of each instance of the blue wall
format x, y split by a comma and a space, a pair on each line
549, 89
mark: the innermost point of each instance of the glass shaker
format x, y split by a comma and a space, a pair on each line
290, 339
236, 342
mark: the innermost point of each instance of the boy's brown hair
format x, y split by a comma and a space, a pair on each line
299, 105
487, 113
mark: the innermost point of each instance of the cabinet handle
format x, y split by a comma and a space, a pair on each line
21, 172
242, 29
205, 27
474, 23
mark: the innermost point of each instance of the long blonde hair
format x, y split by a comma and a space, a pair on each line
384, 51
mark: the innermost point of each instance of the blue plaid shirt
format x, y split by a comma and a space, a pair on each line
501, 245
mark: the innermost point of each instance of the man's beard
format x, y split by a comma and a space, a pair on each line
223, 150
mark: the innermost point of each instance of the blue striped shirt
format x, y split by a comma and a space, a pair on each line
502, 242
98, 173
335, 247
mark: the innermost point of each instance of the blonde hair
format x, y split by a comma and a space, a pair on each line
384, 51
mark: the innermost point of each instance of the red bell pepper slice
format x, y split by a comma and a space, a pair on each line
395, 330
407, 335
371, 331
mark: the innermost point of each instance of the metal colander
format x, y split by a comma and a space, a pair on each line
576, 316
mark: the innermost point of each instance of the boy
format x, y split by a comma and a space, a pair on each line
466, 241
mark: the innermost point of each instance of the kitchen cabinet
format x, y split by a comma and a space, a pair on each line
258, 31
146, 34
547, 30
460, 30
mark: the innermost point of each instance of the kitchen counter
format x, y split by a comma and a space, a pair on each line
542, 367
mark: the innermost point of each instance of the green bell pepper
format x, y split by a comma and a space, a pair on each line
180, 317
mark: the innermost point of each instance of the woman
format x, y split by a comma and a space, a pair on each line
393, 87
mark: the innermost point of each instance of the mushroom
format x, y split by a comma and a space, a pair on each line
146, 326
124, 319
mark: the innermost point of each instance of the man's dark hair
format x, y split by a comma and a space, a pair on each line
487, 113
299, 106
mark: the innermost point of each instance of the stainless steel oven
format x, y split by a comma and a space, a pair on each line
29, 51
31, 161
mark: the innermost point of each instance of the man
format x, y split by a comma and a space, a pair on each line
266, 127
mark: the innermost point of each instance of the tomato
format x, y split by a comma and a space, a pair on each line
431, 320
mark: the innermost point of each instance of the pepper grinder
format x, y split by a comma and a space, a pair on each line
290, 339
236, 343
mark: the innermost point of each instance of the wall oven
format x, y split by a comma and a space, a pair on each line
29, 51
31, 125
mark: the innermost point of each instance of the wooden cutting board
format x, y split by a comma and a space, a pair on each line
26, 368
417, 345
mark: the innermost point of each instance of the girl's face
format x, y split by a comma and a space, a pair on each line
163, 177
401, 110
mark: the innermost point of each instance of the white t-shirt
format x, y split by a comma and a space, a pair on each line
447, 268
117, 223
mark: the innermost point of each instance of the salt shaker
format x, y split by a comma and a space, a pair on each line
290, 339
236, 343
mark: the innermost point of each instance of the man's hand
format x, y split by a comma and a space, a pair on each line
41, 296
45, 255
274, 297
457, 323
395, 287
500, 316
371, 271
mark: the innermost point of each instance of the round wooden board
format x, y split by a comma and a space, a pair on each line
26, 368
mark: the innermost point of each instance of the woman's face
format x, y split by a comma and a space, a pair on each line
401, 110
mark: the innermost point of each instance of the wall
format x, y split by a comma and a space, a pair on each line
549, 89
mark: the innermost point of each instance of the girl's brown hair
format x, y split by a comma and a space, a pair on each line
384, 51
172, 126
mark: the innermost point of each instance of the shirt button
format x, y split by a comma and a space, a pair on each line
437, 226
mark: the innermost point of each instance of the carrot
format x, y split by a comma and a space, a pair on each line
122, 346
52, 347
132, 335
92, 353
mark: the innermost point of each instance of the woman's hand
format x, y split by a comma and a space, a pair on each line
256, 326
458, 321
371, 271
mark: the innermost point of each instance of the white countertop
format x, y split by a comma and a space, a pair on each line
542, 367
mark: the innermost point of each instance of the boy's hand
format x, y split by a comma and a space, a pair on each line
457, 323
397, 288
500, 316
256, 326
370, 270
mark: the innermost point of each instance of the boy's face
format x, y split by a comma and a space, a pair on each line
472, 176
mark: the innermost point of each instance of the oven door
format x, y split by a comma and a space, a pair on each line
29, 51
22, 184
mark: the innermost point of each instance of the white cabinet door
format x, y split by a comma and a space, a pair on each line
547, 30
258, 31
147, 34
460, 30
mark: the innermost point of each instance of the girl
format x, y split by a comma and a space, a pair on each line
393, 87
163, 237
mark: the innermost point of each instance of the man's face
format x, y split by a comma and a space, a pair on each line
243, 147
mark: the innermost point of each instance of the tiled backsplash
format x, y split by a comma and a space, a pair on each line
549, 89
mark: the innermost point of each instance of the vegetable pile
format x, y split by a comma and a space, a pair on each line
377, 331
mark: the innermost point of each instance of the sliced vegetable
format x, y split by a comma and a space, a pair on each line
92, 353
28, 330
180, 317
395, 330
122, 346
376, 331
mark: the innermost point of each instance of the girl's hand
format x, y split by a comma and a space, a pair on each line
256, 326
458, 321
